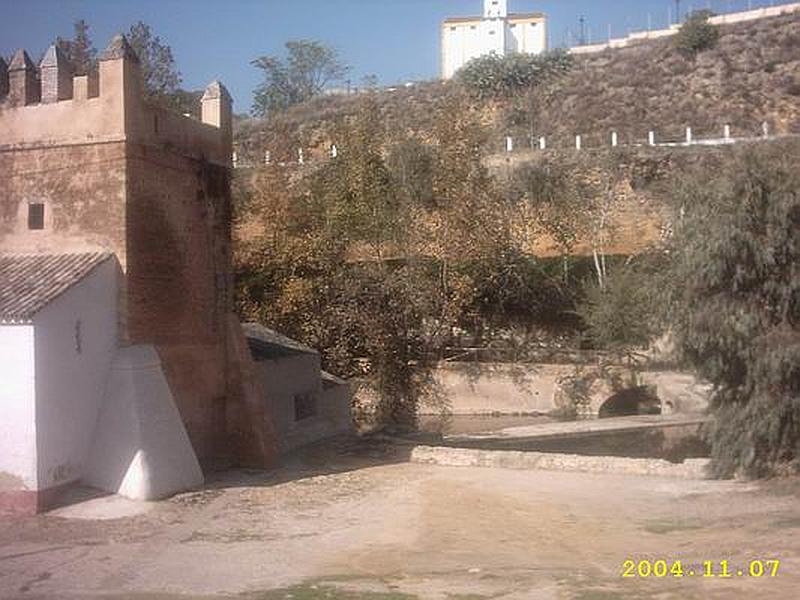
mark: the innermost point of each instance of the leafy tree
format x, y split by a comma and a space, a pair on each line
80, 51
309, 66
320, 270
696, 34
736, 303
493, 76
161, 77
618, 314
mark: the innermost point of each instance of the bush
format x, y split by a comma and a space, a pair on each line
493, 76
618, 314
696, 34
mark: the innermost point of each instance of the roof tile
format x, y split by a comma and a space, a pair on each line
28, 282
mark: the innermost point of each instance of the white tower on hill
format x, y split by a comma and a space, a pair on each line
496, 31
495, 9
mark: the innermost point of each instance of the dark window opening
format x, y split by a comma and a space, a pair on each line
305, 406
36, 216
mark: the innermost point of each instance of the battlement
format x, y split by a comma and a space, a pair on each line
48, 106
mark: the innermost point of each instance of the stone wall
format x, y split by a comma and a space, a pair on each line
509, 389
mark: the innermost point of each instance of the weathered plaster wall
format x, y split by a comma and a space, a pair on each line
282, 380
82, 188
488, 388
480, 388
76, 338
178, 281
286, 377
18, 402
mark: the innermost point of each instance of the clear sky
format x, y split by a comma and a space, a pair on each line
396, 40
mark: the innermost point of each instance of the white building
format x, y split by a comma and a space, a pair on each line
76, 406
498, 31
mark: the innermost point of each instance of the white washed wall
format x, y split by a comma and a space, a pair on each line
70, 384
18, 404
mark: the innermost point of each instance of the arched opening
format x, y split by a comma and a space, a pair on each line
641, 400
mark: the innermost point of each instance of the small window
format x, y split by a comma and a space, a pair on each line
36, 215
452, 29
305, 406
472, 26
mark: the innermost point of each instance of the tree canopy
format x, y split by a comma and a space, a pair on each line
308, 67
696, 34
80, 51
161, 77
736, 304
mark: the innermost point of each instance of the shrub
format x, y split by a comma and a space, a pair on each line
618, 314
696, 34
493, 76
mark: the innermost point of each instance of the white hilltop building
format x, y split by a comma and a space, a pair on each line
498, 31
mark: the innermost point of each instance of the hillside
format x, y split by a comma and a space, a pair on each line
753, 75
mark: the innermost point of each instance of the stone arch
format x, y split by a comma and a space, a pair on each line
632, 400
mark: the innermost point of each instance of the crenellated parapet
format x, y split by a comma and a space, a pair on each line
23, 82
56, 76
50, 105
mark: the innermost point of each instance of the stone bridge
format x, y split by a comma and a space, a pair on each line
497, 388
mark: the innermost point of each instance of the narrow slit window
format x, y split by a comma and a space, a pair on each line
36, 215
305, 406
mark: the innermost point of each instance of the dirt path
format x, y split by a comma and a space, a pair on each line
355, 521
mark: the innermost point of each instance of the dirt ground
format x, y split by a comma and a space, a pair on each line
353, 520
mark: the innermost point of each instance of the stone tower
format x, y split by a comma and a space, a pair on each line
104, 170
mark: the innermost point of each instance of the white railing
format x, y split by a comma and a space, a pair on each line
511, 145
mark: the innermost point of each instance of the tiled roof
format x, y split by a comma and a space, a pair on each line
28, 282
266, 344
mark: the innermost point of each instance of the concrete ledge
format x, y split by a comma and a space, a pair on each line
569, 429
696, 468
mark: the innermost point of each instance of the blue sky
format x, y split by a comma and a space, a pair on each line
397, 40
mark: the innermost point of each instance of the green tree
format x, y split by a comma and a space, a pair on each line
696, 34
619, 314
80, 51
161, 77
736, 305
309, 66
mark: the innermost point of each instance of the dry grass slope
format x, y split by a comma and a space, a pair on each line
751, 76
